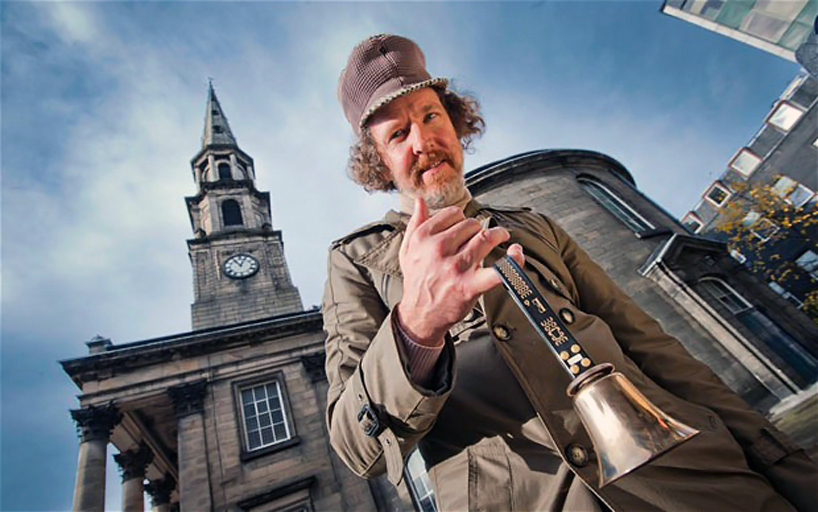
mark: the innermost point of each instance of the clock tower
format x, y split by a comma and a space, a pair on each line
239, 269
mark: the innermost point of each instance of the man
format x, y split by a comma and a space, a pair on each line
490, 415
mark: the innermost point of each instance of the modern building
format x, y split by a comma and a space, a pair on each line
781, 158
230, 416
776, 26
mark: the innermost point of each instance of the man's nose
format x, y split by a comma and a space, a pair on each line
422, 140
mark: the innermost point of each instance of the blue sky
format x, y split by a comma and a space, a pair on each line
103, 106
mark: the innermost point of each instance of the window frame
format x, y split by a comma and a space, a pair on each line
812, 272
761, 236
732, 163
695, 218
776, 106
417, 495
633, 217
783, 292
276, 377
745, 303
723, 188
224, 217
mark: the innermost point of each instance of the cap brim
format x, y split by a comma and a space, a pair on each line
397, 94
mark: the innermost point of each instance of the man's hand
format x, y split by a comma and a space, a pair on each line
441, 258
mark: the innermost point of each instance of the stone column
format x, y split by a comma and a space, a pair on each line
194, 471
94, 425
160, 491
133, 464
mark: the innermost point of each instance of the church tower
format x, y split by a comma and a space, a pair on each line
239, 270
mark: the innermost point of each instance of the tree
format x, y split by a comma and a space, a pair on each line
770, 224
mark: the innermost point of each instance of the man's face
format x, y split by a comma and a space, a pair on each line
419, 145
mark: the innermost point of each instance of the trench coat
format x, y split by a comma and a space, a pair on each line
496, 428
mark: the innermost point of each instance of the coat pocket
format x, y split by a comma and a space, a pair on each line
490, 484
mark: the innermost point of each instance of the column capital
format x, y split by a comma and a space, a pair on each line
96, 423
161, 489
133, 463
188, 398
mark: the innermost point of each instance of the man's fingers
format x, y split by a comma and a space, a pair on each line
483, 280
516, 252
420, 214
482, 243
442, 220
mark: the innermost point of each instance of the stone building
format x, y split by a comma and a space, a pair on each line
230, 416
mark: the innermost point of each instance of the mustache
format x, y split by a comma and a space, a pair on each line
424, 162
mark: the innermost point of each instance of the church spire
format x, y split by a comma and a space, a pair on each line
217, 130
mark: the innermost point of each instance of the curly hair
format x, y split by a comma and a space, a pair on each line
365, 165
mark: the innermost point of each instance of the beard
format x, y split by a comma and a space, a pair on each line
444, 188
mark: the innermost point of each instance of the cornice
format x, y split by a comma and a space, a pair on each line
498, 173
143, 353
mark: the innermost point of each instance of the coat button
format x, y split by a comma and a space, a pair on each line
501, 332
577, 454
567, 316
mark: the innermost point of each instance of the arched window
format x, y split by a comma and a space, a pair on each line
224, 171
615, 205
231, 213
763, 328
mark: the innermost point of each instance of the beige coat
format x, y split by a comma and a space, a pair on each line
499, 432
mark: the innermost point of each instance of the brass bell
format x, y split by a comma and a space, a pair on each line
626, 429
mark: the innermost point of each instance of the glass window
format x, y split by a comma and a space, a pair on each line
809, 262
734, 302
777, 339
764, 329
224, 171
419, 483
764, 229
263, 415
764, 26
745, 162
784, 116
800, 196
784, 293
231, 212
717, 194
736, 255
783, 186
615, 205
691, 222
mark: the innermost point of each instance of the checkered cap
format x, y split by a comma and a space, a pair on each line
381, 68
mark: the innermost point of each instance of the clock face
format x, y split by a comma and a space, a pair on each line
240, 266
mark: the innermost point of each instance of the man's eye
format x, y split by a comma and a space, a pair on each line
432, 115
396, 134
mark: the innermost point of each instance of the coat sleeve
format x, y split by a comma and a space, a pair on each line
367, 366
663, 358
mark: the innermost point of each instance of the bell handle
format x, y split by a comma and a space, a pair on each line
572, 356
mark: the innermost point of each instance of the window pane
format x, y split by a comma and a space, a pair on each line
246, 396
732, 301
733, 13
272, 391
264, 420
252, 424
280, 432
801, 195
278, 417
255, 440
764, 26
785, 116
615, 205
267, 436
783, 186
809, 262
782, 343
718, 195
764, 229
745, 162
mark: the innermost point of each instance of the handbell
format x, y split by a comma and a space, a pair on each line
626, 429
